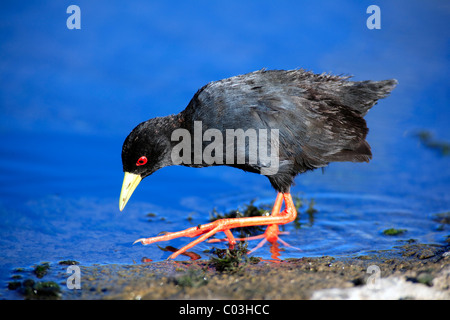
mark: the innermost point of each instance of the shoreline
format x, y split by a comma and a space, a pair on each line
411, 271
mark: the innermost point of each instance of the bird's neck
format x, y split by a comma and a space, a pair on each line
168, 124
165, 128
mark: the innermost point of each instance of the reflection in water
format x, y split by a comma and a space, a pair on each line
192, 255
275, 251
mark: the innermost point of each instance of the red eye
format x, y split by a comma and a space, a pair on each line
142, 160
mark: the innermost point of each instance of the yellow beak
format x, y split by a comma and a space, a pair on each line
130, 182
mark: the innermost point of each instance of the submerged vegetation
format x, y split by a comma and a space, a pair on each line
393, 232
41, 269
68, 262
232, 260
32, 289
426, 138
442, 218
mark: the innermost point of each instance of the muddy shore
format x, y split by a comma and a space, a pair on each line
409, 271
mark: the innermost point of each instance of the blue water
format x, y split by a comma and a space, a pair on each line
68, 98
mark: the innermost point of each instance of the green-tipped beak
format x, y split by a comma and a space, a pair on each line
130, 182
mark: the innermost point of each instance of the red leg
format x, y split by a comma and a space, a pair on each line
272, 232
207, 230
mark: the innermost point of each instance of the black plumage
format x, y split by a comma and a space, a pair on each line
319, 119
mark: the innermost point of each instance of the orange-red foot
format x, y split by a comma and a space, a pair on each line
272, 232
271, 235
207, 230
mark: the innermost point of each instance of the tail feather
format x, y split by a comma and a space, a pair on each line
363, 95
359, 153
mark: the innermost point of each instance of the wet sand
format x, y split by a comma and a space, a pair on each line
410, 271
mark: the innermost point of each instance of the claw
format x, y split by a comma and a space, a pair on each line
142, 240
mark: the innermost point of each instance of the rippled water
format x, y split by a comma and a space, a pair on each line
68, 100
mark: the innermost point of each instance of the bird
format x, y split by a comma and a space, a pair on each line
312, 120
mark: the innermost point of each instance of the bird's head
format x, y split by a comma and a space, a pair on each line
144, 151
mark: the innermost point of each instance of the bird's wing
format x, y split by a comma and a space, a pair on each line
319, 117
